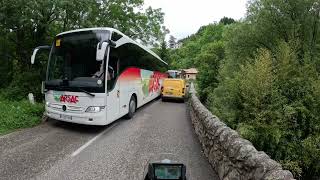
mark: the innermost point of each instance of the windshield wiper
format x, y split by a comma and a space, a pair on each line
82, 90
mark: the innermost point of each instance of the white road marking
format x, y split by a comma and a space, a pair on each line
91, 141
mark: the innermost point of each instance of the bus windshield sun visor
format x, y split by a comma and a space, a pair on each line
83, 84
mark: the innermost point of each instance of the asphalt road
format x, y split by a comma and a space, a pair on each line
58, 150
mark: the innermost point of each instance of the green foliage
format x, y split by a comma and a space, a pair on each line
163, 51
226, 20
209, 62
293, 166
271, 103
196, 45
23, 84
5, 72
18, 114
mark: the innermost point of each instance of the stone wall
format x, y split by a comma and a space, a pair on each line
231, 156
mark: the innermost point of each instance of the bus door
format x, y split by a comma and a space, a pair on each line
113, 87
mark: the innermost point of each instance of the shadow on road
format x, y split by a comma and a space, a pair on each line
173, 101
80, 128
147, 104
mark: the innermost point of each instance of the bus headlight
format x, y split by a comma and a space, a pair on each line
47, 104
94, 109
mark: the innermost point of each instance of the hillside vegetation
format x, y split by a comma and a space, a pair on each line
261, 76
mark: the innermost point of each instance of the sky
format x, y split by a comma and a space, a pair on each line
185, 17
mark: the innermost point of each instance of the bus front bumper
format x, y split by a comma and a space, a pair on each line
79, 118
172, 97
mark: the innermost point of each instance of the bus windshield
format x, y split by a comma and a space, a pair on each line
72, 63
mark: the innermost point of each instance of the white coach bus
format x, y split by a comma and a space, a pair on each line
97, 75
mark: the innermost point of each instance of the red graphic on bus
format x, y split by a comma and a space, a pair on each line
154, 84
69, 99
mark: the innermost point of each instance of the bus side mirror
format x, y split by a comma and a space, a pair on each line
101, 50
102, 47
33, 57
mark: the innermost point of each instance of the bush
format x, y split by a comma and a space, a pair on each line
23, 84
19, 114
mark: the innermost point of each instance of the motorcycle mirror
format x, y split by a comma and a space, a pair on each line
164, 171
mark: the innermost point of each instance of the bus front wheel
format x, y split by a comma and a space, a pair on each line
132, 107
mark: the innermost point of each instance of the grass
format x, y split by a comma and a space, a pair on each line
18, 114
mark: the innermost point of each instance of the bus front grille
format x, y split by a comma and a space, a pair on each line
59, 107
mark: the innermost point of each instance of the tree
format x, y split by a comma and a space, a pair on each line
196, 46
172, 42
163, 50
226, 21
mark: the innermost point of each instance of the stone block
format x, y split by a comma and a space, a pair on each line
245, 151
224, 135
219, 131
232, 175
279, 175
232, 135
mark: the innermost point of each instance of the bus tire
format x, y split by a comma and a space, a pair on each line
132, 107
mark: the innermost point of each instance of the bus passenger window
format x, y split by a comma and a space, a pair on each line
112, 72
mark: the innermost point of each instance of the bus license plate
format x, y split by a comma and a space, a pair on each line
66, 117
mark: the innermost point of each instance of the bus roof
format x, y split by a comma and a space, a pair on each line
127, 39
